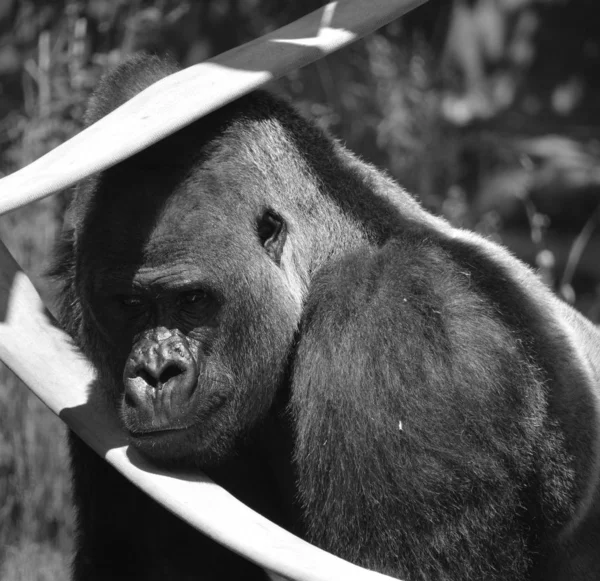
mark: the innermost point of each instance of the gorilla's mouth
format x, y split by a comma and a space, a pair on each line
137, 433
157, 433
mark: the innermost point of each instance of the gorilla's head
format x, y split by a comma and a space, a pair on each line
190, 262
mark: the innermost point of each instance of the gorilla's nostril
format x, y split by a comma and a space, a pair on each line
147, 377
169, 372
158, 380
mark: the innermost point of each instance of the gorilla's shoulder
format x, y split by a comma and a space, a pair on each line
411, 286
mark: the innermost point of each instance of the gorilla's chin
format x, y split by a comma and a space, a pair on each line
165, 447
181, 447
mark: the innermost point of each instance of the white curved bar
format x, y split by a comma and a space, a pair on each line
42, 356
191, 93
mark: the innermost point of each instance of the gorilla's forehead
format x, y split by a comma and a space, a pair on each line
157, 220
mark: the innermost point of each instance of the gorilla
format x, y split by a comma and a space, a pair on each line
261, 304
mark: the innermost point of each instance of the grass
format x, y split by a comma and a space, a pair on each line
31, 561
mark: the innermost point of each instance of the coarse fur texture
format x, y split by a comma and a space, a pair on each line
260, 303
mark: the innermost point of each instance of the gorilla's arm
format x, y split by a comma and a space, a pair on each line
424, 422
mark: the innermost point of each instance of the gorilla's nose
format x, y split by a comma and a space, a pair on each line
160, 377
157, 375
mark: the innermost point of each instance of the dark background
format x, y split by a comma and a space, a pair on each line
488, 110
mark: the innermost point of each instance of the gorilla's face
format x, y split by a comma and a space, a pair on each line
182, 282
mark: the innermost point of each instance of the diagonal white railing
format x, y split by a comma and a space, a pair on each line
41, 354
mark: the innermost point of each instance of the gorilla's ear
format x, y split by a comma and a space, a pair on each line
272, 233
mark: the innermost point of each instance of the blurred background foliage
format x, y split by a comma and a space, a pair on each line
488, 110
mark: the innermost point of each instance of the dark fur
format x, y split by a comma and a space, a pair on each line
405, 395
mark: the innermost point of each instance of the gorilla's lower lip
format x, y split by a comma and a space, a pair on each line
156, 433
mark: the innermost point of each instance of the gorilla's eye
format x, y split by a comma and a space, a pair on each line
195, 296
131, 301
272, 232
